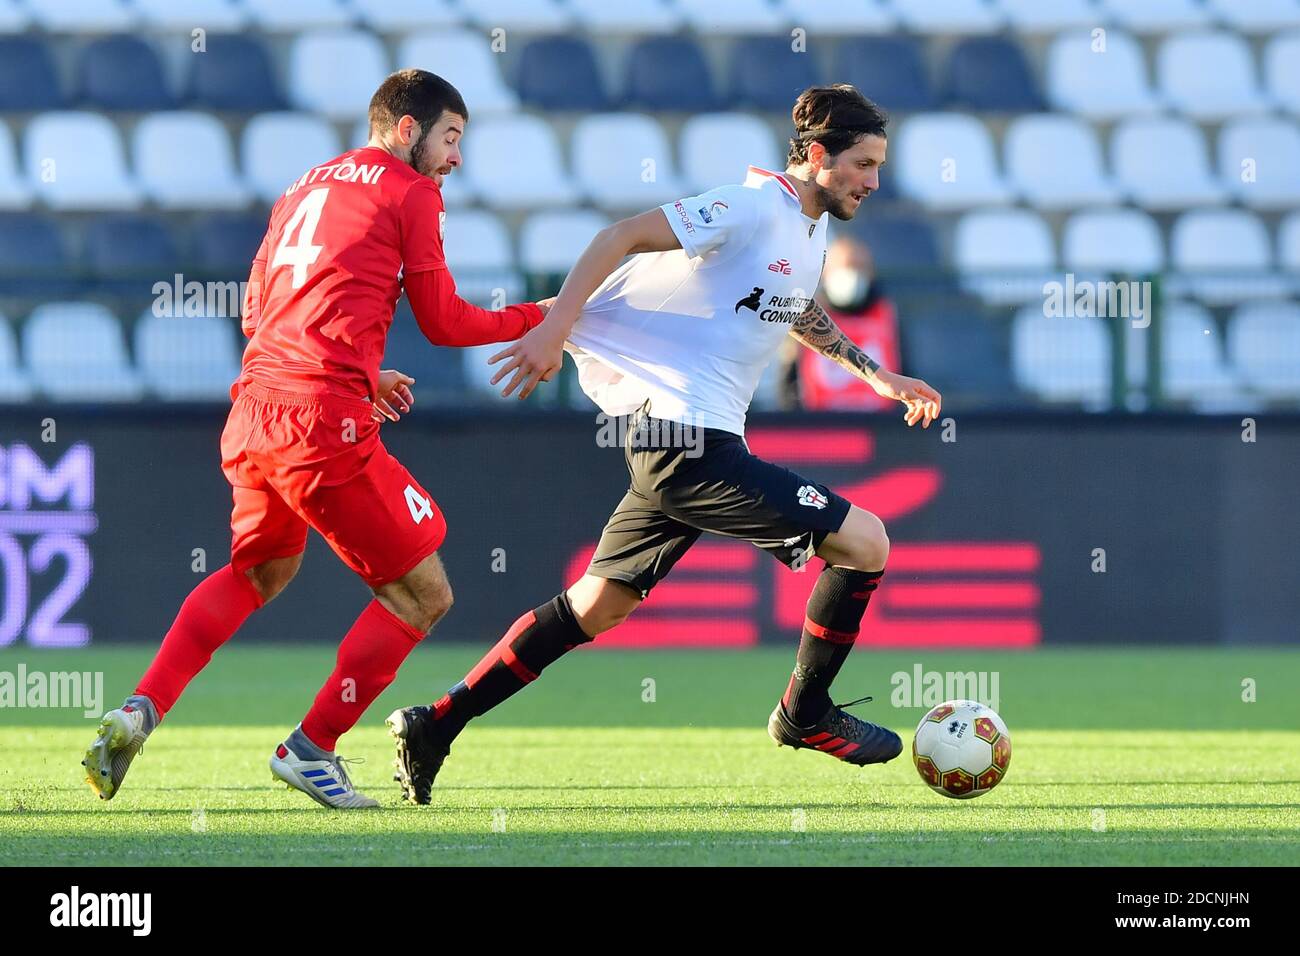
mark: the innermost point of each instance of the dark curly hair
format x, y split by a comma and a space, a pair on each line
836, 116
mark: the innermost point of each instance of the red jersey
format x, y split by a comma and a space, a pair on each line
341, 241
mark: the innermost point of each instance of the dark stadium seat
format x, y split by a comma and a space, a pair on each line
960, 352
28, 79
890, 70
129, 247
438, 372
766, 74
668, 73
906, 252
560, 73
33, 256
234, 74
224, 244
991, 74
122, 73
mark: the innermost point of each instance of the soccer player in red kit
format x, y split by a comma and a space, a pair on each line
301, 447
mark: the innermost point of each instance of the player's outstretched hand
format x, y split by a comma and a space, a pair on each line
394, 398
923, 402
534, 358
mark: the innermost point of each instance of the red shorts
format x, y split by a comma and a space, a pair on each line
310, 460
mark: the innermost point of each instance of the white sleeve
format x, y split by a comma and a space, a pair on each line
707, 222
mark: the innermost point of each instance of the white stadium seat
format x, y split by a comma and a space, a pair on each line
317, 82
1256, 16
187, 358
949, 16
1209, 75
612, 157
852, 19
1060, 358
946, 161
184, 160
526, 16
718, 148
1162, 164
1055, 162
76, 352
14, 17
277, 148
464, 59
1099, 84
215, 16
1193, 368
1259, 162
1112, 240
1288, 246
393, 16
15, 193
550, 242
1004, 255
1223, 256
733, 17
1282, 70
492, 151
75, 160
1154, 16
479, 256
1264, 347
82, 16
291, 16
1035, 16
15, 386
627, 16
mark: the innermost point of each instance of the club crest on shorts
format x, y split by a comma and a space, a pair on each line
811, 497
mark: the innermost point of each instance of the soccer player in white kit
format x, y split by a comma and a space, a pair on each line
679, 336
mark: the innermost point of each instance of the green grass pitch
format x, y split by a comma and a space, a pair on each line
1125, 757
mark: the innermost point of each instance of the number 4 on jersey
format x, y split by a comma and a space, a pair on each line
301, 254
420, 506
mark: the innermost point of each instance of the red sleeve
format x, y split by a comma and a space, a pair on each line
421, 223
253, 295
447, 319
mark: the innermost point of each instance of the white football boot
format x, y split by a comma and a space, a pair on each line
325, 781
121, 735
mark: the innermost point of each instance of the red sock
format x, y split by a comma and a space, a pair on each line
209, 616
368, 661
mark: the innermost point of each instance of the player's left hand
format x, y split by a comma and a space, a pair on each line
923, 402
394, 398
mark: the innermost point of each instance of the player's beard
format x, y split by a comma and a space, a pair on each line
841, 207
417, 154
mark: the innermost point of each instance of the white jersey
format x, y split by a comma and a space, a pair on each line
693, 329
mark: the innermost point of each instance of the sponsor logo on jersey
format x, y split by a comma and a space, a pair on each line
784, 308
781, 265
685, 218
812, 498
751, 301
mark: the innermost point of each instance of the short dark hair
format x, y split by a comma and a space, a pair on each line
836, 116
416, 93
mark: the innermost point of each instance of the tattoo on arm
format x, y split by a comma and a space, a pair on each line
818, 331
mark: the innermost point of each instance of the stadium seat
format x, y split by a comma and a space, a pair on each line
560, 73
398, 16
902, 246
628, 18
122, 73
611, 157
1004, 255
946, 161
1112, 240
1258, 16
1162, 164
292, 16
718, 148
890, 68
668, 73
28, 78
82, 16
1259, 162
14, 17
495, 173
523, 16
550, 242
437, 370
1193, 368
1209, 76
480, 257
990, 74
1288, 247
15, 386
277, 148
1036, 17
188, 358
1055, 162
75, 160
466, 61
842, 19
1100, 85
31, 245
1224, 256
234, 74
954, 344
949, 16
1264, 347
1062, 359
729, 17
318, 85
184, 161
76, 352
15, 193
212, 15
1282, 70
1154, 16
224, 244
766, 74
130, 247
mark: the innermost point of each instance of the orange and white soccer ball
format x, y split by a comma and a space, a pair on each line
961, 749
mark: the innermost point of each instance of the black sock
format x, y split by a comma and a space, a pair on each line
834, 615
540, 637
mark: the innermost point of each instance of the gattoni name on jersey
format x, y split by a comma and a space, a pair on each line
340, 172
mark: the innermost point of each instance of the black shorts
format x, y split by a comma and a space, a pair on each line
686, 481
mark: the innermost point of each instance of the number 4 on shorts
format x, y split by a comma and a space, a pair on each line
420, 506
